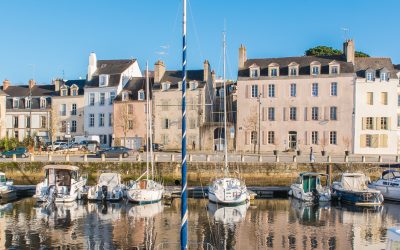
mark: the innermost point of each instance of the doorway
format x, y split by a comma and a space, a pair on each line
292, 140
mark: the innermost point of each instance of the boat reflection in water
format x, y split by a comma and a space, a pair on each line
307, 213
228, 214
145, 211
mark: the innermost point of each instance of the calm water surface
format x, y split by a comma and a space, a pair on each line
266, 224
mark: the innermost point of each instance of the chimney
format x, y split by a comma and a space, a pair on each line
349, 50
159, 71
242, 56
213, 75
31, 83
6, 84
92, 66
206, 71
57, 83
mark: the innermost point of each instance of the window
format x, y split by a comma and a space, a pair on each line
271, 90
102, 98
28, 103
370, 76
293, 71
110, 120
335, 70
130, 109
254, 90
271, 137
103, 80
43, 103
164, 139
63, 128
333, 137
101, 120
63, 109
165, 124
91, 99
73, 109
384, 123
73, 126
253, 137
16, 134
141, 95
293, 89
103, 139
398, 100
333, 113
74, 92
293, 114
64, 92
112, 97
370, 98
254, 72
27, 122
384, 76
314, 89
315, 70
165, 86
274, 72
91, 120
43, 121
384, 98
314, 137
369, 123
192, 123
15, 121
271, 114
15, 103
398, 120
314, 113
125, 96
130, 124
368, 141
334, 89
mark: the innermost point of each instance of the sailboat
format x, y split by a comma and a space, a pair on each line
146, 191
227, 190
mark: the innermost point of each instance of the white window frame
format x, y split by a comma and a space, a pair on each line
333, 138
104, 80
293, 90
315, 113
293, 113
43, 103
254, 91
92, 99
101, 119
271, 90
91, 120
314, 89
141, 95
334, 89
333, 113
314, 137
271, 114
112, 97
102, 99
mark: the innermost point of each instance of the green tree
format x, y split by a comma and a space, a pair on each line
329, 51
361, 54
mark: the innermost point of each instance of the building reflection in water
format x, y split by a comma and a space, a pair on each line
266, 224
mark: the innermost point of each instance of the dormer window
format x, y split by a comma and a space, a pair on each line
293, 69
125, 96
15, 103
64, 91
384, 74
103, 80
74, 91
141, 95
165, 86
315, 68
273, 69
370, 75
334, 68
43, 103
193, 85
254, 71
28, 103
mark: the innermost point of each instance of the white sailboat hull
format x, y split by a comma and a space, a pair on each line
145, 192
228, 192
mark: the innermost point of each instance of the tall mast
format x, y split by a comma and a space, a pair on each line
184, 212
147, 121
150, 108
225, 93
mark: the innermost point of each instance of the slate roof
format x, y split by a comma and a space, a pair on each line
2, 92
375, 63
23, 90
175, 76
133, 86
80, 83
396, 66
113, 68
303, 61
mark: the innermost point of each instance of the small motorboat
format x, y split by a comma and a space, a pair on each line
308, 187
7, 190
228, 192
388, 184
61, 184
108, 188
352, 188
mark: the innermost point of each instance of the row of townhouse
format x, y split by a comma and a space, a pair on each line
328, 103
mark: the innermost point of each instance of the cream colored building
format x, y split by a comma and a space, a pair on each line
295, 103
68, 108
2, 114
167, 99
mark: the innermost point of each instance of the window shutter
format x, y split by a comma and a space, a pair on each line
375, 141
245, 138
364, 123
337, 113
377, 123
263, 138
385, 141
389, 123
263, 90
247, 91
264, 117
327, 113
284, 114
326, 139
363, 141
305, 114
306, 139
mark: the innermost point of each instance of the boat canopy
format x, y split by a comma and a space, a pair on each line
354, 181
61, 167
1, 173
390, 174
312, 174
110, 179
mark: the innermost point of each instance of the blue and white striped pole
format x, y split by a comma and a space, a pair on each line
184, 211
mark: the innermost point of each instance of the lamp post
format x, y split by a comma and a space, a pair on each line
259, 122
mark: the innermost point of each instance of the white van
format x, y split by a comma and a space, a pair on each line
79, 138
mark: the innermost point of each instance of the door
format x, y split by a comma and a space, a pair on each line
293, 140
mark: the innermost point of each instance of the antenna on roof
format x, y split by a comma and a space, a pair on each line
346, 32
33, 70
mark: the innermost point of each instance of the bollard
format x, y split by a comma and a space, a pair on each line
85, 157
120, 157
242, 158
380, 158
172, 157
329, 159
103, 157
14, 157
363, 158
294, 158
346, 158
190, 157
67, 158
32, 157
50, 157
277, 158
260, 159
397, 158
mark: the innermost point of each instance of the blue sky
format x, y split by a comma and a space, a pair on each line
44, 38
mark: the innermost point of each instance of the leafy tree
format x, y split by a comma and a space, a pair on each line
361, 54
329, 51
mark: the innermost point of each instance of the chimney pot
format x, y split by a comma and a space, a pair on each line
242, 56
206, 71
6, 84
31, 83
159, 71
349, 50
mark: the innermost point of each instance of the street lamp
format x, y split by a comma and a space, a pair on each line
259, 122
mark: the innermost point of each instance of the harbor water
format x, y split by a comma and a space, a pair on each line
265, 224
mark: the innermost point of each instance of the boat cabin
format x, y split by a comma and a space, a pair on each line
354, 181
62, 176
310, 181
2, 177
391, 178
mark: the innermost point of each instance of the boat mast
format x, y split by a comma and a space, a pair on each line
147, 121
184, 212
225, 93
150, 123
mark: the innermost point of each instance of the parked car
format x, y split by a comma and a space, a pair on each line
116, 152
74, 145
58, 145
20, 151
156, 147
90, 145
